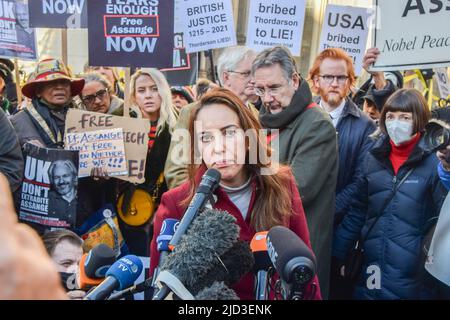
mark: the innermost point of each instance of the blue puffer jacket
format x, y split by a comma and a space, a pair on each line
353, 130
394, 244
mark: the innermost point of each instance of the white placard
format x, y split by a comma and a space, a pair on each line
206, 24
272, 23
443, 82
346, 28
412, 34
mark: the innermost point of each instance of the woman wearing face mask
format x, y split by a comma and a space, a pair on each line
219, 128
151, 93
400, 192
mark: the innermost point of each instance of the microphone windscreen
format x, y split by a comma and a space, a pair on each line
211, 234
232, 266
217, 291
168, 229
284, 245
85, 282
98, 261
126, 270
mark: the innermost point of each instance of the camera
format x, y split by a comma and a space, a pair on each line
437, 137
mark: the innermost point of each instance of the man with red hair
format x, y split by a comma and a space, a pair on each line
332, 75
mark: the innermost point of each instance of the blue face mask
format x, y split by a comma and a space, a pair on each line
399, 131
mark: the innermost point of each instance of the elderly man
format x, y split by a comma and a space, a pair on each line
234, 69
50, 89
307, 142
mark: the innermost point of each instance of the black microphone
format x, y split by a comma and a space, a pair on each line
294, 261
262, 265
210, 235
208, 184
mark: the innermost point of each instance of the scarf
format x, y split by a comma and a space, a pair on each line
301, 99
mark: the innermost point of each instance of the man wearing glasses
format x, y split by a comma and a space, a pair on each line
332, 75
307, 142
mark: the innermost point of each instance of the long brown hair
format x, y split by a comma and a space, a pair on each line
273, 202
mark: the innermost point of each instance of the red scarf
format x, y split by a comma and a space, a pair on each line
399, 154
152, 135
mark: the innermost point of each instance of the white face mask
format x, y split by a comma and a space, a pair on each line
399, 131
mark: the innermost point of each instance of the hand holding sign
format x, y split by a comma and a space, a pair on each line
369, 59
26, 270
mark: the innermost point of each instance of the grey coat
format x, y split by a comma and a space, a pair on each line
11, 160
308, 143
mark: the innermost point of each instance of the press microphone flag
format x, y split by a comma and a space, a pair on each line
93, 266
121, 275
262, 264
293, 259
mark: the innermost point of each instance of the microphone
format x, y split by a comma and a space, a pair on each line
93, 266
168, 229
144, 285
217, 291
211, 234
262, 265
294, 261
229, 268
122, 274
208, 184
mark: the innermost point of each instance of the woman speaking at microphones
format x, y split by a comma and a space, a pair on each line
258, 192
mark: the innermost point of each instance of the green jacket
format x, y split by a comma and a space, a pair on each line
308, 143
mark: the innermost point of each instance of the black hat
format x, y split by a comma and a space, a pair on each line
369, 96
8, 63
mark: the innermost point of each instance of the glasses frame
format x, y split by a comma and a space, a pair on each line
94, 96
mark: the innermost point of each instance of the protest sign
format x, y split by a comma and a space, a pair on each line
207, 25
17, 39
346, 28
48, 196
135, 137
276, 23
58, 13
99, 149
130, 33
443, 82
185, 65
412, 34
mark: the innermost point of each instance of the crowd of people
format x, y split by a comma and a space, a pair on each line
353, 169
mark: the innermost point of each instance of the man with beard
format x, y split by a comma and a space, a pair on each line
307, 142
332, 75
62, 196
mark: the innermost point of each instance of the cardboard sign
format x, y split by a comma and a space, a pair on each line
412, 34
346, 28
443, 82
207, 24
17, 39
63, 14
272, 23
135, 137
99, 149
48, 195
130, 33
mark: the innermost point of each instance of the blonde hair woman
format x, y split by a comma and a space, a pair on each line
150, 92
